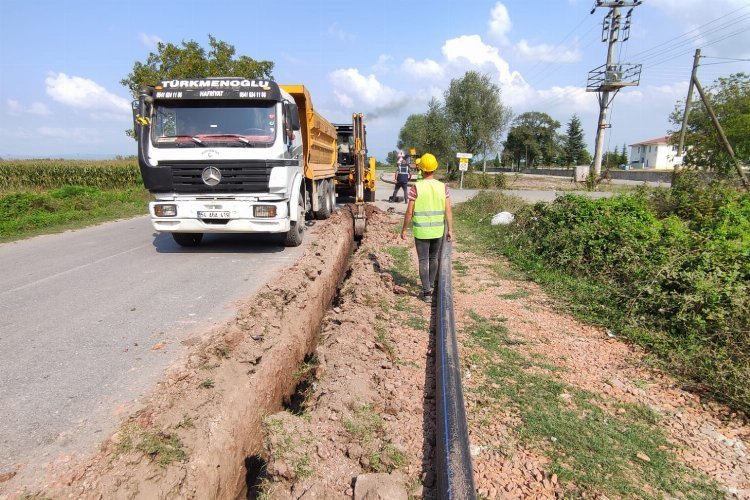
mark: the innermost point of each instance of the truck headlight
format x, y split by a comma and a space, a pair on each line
165, 210
264, 211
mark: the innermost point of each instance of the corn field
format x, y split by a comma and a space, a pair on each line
25, 175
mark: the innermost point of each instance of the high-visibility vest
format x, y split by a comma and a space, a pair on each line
403, 173
428, 221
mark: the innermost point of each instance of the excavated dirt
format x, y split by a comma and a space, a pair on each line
361, 422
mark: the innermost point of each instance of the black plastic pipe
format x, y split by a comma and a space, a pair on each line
455, 476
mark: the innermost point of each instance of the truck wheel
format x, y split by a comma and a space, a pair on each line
188, 239
293, 237
369, 195
325, 202
332, 194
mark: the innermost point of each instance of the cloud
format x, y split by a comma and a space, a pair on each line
472, 50
15, 108
150, 41
499, 23
382, 65
547, 53
83, 93
422, 69
337, 33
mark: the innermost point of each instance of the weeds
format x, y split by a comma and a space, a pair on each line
161, 446
207, 383
589, 443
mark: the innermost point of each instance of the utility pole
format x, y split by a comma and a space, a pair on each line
693, 77
608, 79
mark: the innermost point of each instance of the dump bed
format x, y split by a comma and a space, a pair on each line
318, 136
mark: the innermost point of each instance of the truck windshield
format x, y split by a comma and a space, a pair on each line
195, 123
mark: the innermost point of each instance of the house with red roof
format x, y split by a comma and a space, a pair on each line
656, 153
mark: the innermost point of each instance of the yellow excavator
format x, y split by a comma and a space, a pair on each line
355, 172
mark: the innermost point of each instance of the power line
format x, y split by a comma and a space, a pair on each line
714, 42
638, 54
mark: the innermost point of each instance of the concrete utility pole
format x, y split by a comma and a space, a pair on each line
693, 77
608, 79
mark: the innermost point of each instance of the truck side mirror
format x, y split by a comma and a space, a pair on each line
294, 116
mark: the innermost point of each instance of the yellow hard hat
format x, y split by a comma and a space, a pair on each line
427, 163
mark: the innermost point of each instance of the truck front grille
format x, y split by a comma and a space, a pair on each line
235, 177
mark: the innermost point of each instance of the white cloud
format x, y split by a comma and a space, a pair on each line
150, 41
382, 65
83, 93
499, 22
472, 50
15, 108
548, 53
337, 33
422, 69
367, 89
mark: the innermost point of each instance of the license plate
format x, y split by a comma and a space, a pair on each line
213, 214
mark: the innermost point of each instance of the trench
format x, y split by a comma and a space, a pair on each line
305, 375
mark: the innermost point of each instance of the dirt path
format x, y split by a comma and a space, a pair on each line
555, 407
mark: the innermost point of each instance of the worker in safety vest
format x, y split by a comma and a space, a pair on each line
428, 213
401, 178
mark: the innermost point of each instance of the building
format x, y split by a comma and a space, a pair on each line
656, 153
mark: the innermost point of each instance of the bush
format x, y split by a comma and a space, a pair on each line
480, 180
675, 270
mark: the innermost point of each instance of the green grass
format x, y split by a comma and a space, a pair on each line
589, 444
164, 448
518, 294
460, 268
403, 272
383, 342
365, 425
416, 323
30, 213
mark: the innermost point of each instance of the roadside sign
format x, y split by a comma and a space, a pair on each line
467, 156
463, 164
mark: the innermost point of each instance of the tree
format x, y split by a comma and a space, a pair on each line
392, 157
190, 60
730, 98
533, 136
428, 133
475, 112
574, 146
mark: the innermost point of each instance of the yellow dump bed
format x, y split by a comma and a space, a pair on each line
318, 136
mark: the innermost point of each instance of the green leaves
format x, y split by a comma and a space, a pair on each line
49, 174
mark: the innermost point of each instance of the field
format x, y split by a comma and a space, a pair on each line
42, 196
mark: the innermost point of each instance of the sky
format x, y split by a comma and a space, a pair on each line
61, 62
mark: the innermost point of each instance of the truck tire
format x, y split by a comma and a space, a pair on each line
187, 239
324, 201
332, 194
369, 195
293, 237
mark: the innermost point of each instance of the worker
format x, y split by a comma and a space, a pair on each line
428, 213
402, 176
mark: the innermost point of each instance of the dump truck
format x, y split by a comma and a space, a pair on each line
234, 155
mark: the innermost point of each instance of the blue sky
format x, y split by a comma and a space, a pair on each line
61, 62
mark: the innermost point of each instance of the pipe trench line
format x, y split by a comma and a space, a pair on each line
455, 476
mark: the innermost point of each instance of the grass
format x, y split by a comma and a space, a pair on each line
383, 342
30, 213
164, 448
460, 268
417, 323
518, 294
207, 383
365, 425
403, 271
588, 442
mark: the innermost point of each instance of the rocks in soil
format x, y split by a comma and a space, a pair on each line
380, 486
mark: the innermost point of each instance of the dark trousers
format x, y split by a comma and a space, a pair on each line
400, 185
427, 253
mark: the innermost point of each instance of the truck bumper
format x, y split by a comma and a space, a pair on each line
241, 218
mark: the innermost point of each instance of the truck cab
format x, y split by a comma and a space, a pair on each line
221, 155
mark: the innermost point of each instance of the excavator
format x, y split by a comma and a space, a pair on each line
355, 172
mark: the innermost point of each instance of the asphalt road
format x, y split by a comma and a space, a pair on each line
81, 311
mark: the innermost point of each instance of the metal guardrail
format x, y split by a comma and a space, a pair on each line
455, 475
